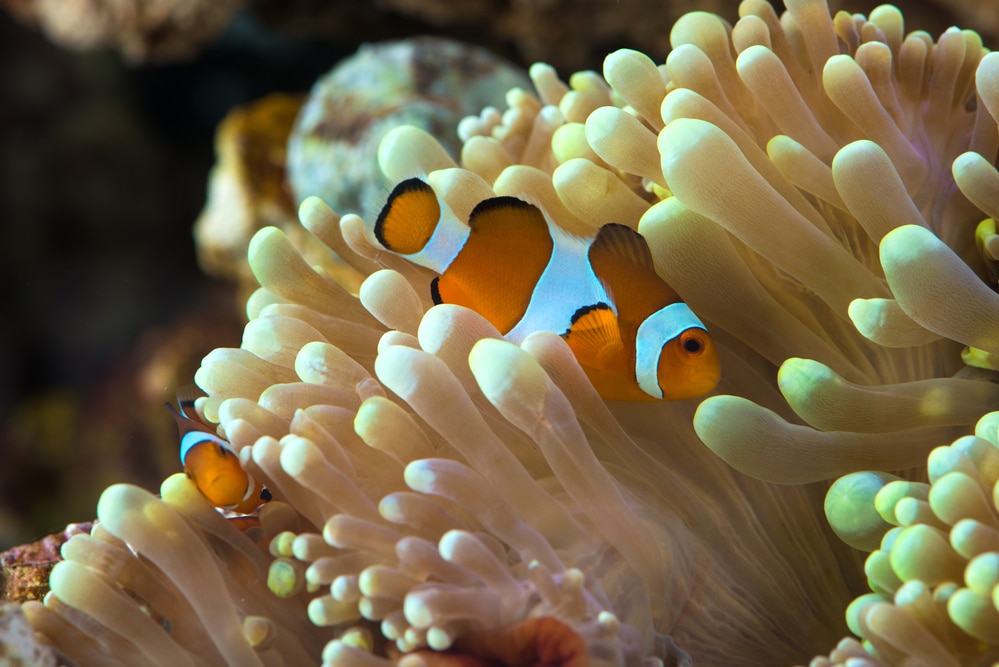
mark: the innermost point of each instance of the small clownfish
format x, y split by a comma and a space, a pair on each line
632, 334
213, 466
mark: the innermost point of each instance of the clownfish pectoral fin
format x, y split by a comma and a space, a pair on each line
595, 337
508, 247
409, 217
621, 260
596, 342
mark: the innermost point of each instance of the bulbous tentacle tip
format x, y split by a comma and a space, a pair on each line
978, 180
938, 290
117, 499
259, 631
314, 210
509, 377
406, 151
621, 139
884, 322
743, 434
392, 300
987, 82
850, 509
760, 443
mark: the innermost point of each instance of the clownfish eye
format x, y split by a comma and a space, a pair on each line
265, 495
692, 342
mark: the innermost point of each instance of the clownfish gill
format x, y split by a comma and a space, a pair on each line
213, 466
631, 333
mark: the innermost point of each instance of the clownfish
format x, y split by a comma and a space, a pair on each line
213, 466
631, 333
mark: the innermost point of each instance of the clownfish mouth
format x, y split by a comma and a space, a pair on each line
705, 383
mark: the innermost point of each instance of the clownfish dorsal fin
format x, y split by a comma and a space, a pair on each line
409, 217
187, 417
186, 397
622, 244
620, 258
185, 424
595, 335
508, 247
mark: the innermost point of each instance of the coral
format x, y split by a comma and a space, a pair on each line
811, 185
248, 187
277, 151
169, 582
424, 82
25, 569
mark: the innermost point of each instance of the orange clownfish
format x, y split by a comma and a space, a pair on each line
632, 334
214, 467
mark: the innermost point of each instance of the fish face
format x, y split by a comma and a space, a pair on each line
218, 475
688, 366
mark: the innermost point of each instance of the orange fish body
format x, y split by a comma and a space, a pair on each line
214, 467
632, 334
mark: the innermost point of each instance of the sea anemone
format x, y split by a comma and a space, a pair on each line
934, 560
168, 581
811, 185
815, 218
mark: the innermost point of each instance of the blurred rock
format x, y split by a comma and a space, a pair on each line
568, 34
262, 172
247, 188
427, 82
143, 30
24, 570
18, 645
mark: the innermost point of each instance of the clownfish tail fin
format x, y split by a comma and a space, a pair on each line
409, 217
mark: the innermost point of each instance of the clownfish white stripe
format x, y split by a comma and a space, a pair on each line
193, 438
665, 324
251, 490
448, 239
567, 281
